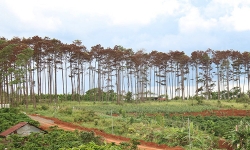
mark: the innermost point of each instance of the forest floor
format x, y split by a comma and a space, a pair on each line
47, 122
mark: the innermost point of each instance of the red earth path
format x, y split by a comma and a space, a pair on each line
46, 122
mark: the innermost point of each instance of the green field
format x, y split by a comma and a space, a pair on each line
152, 120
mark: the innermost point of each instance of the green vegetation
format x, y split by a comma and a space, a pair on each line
151, 121
93, 146
54, 139
240, 137
10, 117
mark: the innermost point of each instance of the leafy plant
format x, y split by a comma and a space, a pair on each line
240, 137
243, 99
12, 116
44, 107
128, 96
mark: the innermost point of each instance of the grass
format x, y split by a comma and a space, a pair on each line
146, 107
152, 107
227, 104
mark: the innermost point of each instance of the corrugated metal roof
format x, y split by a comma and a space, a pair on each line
12, 129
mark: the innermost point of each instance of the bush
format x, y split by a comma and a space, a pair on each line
96, 122
87, 137
243, 99
78, 119
131, 120
44, 107
66, 110
134, 144
128, 97
199, 99
176, 98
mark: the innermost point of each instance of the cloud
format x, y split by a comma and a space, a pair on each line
140, 11
119, 12
30, 17
227, 15
194, 21
161, 25
237, 20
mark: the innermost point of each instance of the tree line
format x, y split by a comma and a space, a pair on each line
34, 66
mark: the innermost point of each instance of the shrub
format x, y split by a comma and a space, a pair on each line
96, 122
128, 97
66, 110
78, 119
124, 145
135, 143
177, 98
44, 107
131, 130
199, 99
131, 120
87, 137
243, 99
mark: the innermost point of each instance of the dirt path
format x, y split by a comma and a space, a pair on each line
46, 122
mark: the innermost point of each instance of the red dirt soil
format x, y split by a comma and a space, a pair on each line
223, 112
47, 122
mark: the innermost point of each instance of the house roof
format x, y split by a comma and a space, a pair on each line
14, 128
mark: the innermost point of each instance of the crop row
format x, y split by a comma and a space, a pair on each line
164, 108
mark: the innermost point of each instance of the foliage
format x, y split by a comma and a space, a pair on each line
44, 107
153, 121
134, 144
11, 116
97, 93
240, 136
66, 110
215, 125
166, 108
176, 98
94, 146
54, 139
128, 97
199, 99
87, 137
243, 98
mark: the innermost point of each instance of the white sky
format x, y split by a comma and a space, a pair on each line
163, 25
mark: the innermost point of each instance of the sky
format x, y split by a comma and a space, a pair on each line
162, 25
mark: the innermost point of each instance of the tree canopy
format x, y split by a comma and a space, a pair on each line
36, 66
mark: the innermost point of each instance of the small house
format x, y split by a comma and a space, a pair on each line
22, 129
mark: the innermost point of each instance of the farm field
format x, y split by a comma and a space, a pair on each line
172, 123
47, 122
